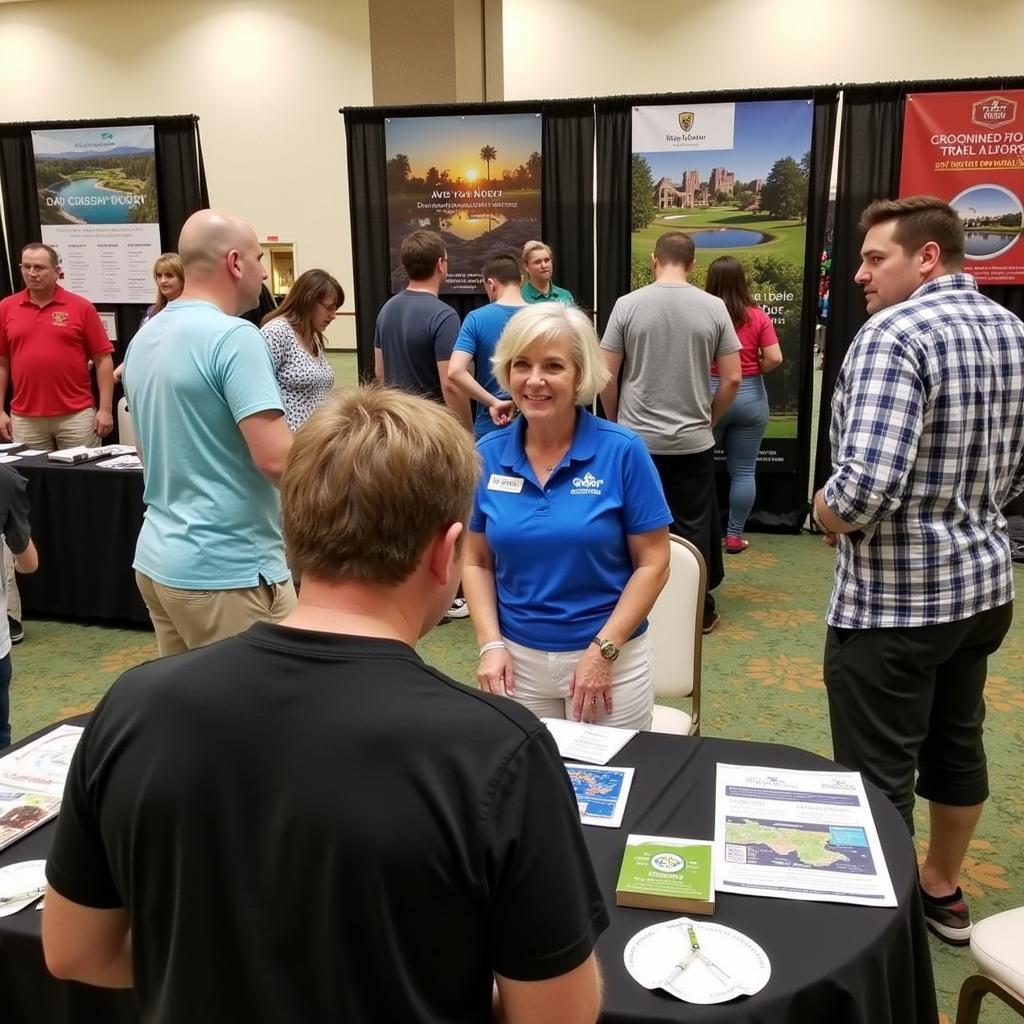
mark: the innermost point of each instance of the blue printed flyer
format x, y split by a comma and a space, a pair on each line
601, 793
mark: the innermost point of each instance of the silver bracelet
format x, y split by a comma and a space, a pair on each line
493, 645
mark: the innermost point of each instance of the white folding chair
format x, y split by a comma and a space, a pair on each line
675, 628
997, 943
125, 430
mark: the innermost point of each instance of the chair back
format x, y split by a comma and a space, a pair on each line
125, 430
675, 625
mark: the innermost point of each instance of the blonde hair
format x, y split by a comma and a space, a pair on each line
545, 321
373, 476
532, 247
167, 263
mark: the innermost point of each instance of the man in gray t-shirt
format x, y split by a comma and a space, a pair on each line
664, 339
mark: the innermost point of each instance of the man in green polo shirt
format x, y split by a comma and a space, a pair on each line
538, 286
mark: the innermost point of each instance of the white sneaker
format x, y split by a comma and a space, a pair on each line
458, 610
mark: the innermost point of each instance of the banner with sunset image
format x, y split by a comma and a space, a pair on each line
474, 179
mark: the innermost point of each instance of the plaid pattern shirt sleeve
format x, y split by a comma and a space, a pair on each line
927, 438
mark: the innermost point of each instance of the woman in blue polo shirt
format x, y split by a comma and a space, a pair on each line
568, 543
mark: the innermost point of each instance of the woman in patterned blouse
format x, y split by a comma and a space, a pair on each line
294, 335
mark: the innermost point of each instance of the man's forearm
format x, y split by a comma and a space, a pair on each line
828, 519
105, 382
458, 403
610, 401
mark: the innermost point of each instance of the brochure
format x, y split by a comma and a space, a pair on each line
663, 873
601, 793
32, 781
595, 744
802, 835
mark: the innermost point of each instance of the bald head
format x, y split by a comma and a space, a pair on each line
221, 256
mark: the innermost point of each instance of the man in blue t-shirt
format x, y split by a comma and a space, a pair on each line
415, 330
210, 426
478, 339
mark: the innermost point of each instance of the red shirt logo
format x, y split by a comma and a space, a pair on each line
59, 319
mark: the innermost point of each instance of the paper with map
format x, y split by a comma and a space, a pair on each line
801, 835
601, 793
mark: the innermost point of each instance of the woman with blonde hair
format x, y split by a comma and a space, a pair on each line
294, 333
568, 541
169, 275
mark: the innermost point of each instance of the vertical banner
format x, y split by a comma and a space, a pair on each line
474, 179
98, 208
968, 148
735, 178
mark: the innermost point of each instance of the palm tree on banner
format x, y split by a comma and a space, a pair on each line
487, 154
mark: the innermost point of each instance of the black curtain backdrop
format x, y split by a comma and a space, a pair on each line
870, 149
181, 184
781, 497
567, 202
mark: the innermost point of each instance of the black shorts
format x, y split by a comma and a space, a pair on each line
909, 702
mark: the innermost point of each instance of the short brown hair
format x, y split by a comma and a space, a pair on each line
674, 247
48, 249
919, 220
373, 476
503, 268
420, 252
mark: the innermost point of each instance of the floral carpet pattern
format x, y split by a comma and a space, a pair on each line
761, 681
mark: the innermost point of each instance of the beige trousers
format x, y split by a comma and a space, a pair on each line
51, 433
185, 619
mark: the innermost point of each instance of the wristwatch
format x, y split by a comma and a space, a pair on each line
609, 650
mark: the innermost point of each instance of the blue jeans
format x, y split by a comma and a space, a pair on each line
5, 701
739, 432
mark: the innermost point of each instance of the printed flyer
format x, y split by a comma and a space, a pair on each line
734, 177
968, 148
97, 195
474, 179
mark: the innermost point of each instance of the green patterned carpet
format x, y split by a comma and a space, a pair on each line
762, 681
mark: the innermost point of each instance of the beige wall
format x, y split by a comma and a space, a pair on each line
558, 48
266, 80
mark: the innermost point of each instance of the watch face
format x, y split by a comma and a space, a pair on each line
609, 650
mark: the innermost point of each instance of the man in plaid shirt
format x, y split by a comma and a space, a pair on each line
927, 439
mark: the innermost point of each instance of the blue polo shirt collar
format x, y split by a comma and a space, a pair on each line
583, 447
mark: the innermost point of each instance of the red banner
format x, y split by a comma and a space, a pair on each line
968, 148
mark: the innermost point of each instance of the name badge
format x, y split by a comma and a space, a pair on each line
509, 484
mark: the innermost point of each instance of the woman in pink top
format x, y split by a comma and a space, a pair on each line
740, 430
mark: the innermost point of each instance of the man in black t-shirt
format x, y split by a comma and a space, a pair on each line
306, 822
415, 331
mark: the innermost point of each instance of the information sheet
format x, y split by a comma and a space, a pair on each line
595, 744
805, 835
601, 793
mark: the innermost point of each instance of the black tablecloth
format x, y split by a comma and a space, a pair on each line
85, 522
831, 963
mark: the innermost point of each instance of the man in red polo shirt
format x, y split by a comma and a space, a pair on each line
47, 337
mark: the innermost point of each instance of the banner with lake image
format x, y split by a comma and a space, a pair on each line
734, 177
474, 179
98, 208
968, 149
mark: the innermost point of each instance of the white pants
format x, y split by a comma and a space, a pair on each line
542, 681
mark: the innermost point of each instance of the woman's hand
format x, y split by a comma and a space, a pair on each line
591, 686
494, 673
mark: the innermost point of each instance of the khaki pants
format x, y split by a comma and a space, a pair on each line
52, 433
185, 619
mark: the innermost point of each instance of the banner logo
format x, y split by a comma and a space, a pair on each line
686, 120
993, 112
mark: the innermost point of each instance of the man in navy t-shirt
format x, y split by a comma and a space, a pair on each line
416, 331
478, 339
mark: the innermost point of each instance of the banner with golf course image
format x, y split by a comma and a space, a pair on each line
968, 149
734, 177
98, 208
474, 179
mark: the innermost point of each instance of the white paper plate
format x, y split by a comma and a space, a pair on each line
651, 957
20, 877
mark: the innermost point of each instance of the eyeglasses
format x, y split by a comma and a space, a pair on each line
28, 268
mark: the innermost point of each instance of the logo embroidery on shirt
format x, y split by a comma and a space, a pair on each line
59, 319
586, 484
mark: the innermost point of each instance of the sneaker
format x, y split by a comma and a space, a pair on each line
711, 620
17, 630
949, 917
458, 610
734, 545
